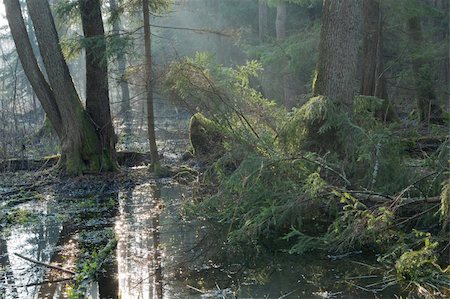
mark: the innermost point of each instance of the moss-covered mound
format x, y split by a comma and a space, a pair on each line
205, 136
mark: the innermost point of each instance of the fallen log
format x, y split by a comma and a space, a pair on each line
124, 158
375, 198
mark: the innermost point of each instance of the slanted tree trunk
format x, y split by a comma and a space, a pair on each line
97, 91
30, 65
429, 110
149, 85
81, 148
338, 49
373, 81
125, 106
287, 77
263, 10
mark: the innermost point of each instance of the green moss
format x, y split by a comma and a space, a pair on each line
419, 269
160, 171
91, 266
314, 127
205, 136
90, 158
314, 82
20, 216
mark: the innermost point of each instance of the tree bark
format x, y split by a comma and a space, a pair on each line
97, 91
125, 106
429, 110
149, 85
373, 81
338, 49
81, 148
30, 65
263, 10
287, 77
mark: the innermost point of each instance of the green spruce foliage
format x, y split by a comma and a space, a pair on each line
320, 177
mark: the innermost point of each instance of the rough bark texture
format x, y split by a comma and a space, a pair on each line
263, 11
30, 65
97, 91
446, 7
429, 110
80, 145
288, 76
373, 81
280, 23
338, 49
148, 84
122, 62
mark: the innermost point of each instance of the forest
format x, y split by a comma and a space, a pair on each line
224, 149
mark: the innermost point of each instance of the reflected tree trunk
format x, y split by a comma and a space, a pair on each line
61, 258
157, 258
6, 271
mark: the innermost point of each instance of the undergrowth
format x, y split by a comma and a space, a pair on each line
320, 177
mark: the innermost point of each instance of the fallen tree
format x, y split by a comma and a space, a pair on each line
125, 158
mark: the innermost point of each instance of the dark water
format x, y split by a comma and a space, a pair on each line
154, 252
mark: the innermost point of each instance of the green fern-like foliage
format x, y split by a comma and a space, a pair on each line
315, 126
419, 270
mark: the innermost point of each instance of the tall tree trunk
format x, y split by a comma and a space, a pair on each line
149, 85
263, 10
81, 147
287, 77
373, 81
338, 49
97, 91
125, 106
447, 37
30, 65
429, 110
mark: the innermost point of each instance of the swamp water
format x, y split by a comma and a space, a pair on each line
154, 250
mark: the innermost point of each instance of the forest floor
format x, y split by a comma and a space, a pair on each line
127, 232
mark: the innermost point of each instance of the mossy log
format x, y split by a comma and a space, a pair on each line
424, 144
205, 136
125, 158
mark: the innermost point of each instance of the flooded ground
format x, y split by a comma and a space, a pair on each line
157, 254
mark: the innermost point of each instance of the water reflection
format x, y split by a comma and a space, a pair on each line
33, 241
154, 246
157, 259
139, 251
6, 275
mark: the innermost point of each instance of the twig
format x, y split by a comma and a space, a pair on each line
384, 199
45, 282
195, 289
360, 287
45, 265
417, 215
363, 277
322, 164
288, 294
